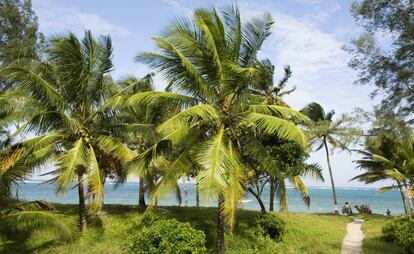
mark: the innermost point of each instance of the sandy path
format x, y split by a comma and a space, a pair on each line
352, 243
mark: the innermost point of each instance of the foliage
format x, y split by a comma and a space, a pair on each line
22, 220
305, 233
396, 165
72, 92
272, 225
169, 236
373, 242
18, 31
210, 63
386, 64
18, 39
324, 131
400, 231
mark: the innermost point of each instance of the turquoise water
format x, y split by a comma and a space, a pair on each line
321, 198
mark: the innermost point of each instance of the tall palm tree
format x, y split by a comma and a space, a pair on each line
209, 62
74, 99
325, 131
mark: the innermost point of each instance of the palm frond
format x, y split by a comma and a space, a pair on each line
214, 158
32, 216
280, 111
95, 186
114, 147
68, 164
30, 80
152, 99
313, 171
301, 187
255, 31
281, 128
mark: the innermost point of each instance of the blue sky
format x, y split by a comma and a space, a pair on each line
308, 35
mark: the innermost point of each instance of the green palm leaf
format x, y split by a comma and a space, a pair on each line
95, 186
68, 163
281, 128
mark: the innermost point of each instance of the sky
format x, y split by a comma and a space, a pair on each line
308, 35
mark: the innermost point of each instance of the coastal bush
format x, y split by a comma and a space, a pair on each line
150, 218
169, 236
272, 226
400, 231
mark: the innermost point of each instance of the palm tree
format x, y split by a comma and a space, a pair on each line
136, 125
210, 65
74, 99
14, 109
324, 131
270, 93
397, 166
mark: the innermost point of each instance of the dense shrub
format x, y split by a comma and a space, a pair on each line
272, 226
400, 231
168, 236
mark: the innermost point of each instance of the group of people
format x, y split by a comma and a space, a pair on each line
364, 208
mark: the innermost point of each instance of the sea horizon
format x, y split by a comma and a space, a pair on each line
321, 197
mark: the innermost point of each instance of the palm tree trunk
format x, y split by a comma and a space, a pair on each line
410, 207
331, 176
272, 193
220, 247
403, 197
283, 196
197, 194
141, 201
185, 191
82, 206
103, 192
259, 200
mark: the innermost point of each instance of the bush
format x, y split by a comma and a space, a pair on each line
400, 231
272, 226
169, 236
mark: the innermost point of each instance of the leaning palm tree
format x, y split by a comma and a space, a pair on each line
325, 131
209, 62
74, 99
398, 167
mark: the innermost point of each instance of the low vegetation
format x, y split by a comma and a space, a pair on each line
400, 231
373, 236
118, 226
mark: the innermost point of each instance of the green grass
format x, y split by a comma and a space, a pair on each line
373, 244
306, 233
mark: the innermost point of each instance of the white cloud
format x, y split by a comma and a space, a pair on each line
179, 7
56, 19
316, 57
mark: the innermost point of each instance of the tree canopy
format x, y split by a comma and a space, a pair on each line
384, 53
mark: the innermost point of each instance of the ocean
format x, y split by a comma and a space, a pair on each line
321, 197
